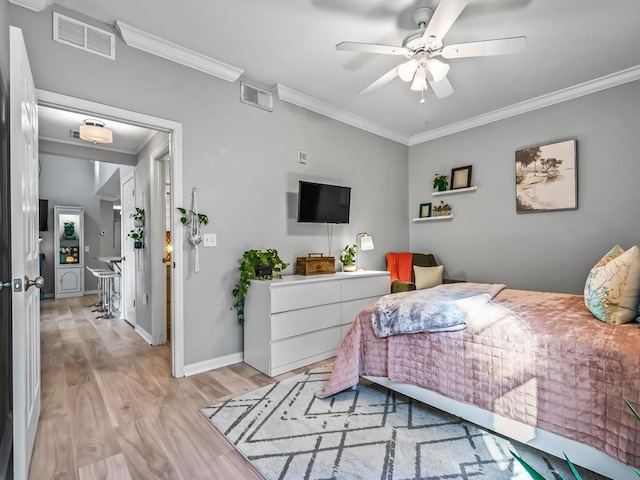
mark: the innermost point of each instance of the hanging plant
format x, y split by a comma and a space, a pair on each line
138, 217
188, 216
260, 264
137, 235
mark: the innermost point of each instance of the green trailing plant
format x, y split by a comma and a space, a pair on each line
188, 216
440, 182
533, 473
348, 254
137, 214
136, 234
250, 260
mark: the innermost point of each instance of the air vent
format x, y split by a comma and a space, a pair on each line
85, 37
256, 96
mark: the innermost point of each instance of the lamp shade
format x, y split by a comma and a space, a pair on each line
437, 68
407, 70
366, 242
419, 80
95, 131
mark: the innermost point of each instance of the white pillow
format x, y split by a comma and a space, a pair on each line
427, 277
612, 290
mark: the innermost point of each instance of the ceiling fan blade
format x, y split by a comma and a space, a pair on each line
383, 80
503, 46
371, 48
446, 13
442, 88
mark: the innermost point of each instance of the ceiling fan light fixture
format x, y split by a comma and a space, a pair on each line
407, 70
419, 80
94, 131
437, 68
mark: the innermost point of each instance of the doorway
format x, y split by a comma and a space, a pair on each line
64, 102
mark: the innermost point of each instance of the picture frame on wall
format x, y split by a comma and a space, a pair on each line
547, 177
425, 210
461, 177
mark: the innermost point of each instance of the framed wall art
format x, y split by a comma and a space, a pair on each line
461, 177
546, 177
425, 210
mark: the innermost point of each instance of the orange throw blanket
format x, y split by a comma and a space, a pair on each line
399, 264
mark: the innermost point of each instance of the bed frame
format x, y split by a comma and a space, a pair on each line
584, 455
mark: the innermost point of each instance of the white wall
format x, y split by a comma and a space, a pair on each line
554, 251
242, 160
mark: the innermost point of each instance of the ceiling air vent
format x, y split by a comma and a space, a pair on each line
256, 96
83, 36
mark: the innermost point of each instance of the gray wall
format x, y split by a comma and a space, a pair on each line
554, 251
242, 160
70, 182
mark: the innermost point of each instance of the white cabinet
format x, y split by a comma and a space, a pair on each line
68, 252
298, 320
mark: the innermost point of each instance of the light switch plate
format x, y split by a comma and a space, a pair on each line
86, 248
210, 240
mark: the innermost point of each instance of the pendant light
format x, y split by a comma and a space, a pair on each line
95, 131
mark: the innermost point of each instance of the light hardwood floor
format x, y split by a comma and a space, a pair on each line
111, 410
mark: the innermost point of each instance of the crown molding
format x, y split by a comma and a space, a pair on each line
576, 91
34, 5
305, 101
136, 38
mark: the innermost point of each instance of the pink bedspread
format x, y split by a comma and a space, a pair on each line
535, 357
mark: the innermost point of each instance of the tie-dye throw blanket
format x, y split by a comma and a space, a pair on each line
439, 309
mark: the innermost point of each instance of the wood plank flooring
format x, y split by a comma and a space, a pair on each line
111, 410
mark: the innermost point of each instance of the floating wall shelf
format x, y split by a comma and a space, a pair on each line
428, 219
457, 190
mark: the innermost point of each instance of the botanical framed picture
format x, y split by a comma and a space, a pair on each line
425, 210
547, 177
461, 177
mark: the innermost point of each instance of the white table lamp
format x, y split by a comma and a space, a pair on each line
364, 241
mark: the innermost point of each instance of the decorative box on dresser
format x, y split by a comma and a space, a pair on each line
298, 320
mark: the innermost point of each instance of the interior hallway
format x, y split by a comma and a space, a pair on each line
111, 410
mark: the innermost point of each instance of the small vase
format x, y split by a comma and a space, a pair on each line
138, 222
137, 244
348, 267
442, 188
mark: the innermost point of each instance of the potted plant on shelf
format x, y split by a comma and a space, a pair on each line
69, 229
440, 182
138, 217
259, 264
137, 234
348, 258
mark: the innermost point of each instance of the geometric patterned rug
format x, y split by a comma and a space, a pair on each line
367, 433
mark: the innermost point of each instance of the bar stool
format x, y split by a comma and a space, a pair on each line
101, 302
109, 279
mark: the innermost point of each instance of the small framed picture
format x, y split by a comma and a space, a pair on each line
425, 210
461, 177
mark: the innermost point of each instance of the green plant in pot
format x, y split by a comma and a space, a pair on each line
137, 234
440, 182
348, 258
138, 217
260, 264
69, 229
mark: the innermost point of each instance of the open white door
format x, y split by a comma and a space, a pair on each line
24, 255
128, 285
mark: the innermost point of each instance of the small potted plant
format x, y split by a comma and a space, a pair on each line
69, 229
440, 182
138, 217
260, 264
137, 235
348, 258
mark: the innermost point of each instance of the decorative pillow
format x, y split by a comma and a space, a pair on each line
427, 277
612, 290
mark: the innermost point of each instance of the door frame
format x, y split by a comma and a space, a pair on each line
65, 102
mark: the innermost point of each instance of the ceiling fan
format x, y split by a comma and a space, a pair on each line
424, 49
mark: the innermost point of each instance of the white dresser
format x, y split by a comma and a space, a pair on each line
298, 320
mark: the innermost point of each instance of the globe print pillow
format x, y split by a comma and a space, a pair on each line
612, 290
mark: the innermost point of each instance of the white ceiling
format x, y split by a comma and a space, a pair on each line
292, 42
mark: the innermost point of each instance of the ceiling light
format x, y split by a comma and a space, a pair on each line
407, 70
95, 131
438, 69
419, 80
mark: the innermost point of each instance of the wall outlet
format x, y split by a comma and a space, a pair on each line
210, 240
86, 248
302, 157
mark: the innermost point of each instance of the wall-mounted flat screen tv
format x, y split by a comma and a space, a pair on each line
43, 208
322, 203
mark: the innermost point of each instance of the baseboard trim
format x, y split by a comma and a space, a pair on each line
212, 364
90, 292
146, 336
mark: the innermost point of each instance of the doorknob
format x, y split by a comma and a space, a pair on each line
4, 285
37, 282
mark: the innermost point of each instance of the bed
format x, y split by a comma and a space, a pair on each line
534, 366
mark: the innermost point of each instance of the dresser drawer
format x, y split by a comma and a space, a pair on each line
304, 346
359, 287
305, 320
350, 309
292, 297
